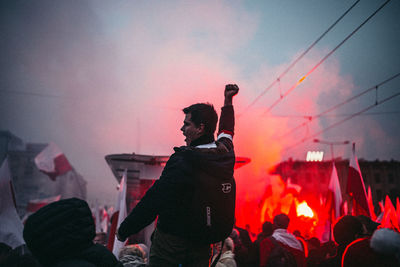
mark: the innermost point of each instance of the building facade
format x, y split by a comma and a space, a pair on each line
383, 177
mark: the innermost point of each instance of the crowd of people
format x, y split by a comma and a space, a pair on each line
63, 234
194, 203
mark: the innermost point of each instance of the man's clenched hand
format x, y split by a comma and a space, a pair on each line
230, 91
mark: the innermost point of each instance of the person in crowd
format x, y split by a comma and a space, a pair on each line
61, 235
281, 246
380, 250
227, 258
133, 256
267, 230
369, 226
169, 198
4, 251
346, 230
245, 252
315, 252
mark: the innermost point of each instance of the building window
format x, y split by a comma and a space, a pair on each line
391, 178
377, 178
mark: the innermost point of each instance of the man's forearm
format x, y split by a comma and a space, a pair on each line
228, 101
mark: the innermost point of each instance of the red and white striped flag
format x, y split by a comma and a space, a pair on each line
10, 224
52, 161
356, 187
334, 198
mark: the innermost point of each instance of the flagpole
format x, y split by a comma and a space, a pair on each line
331, 144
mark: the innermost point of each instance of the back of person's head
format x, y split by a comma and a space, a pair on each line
386, 242
133, 250
203, 113
347, 229
59, 230
281, 221
229, 245
132, 256
314, 242
267, 228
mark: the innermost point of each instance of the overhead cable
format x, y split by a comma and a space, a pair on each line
344, 120
299, 57
310, 118
324, 58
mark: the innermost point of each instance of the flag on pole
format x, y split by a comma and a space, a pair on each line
371, 204
334, 198
101, 218
398, 209
356, 187
119, 215
10, 224
52, 161
390, 219
97, 217
55, 164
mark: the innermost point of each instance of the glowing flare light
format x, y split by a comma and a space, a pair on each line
304, 210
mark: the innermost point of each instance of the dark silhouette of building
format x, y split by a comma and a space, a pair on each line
382, 176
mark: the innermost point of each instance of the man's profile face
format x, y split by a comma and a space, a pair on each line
190, 131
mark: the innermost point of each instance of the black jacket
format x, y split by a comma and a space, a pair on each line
61, 234
170, 197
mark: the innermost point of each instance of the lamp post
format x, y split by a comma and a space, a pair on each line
331, 144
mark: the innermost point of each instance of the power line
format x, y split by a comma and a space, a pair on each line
338, 115
299, 57
344, 120
324, 58
310, 118
26, 93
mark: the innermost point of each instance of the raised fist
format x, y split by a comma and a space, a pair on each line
231, 90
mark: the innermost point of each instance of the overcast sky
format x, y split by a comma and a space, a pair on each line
104, 77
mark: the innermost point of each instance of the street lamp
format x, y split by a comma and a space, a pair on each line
331, 144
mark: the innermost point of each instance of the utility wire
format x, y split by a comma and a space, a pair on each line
310, 118
299, 57
344, 120
337, 115
324, 58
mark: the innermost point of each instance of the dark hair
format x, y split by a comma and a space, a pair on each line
281, 221
203, 113
347, 229
267, 228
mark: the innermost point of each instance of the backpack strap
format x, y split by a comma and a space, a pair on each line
219, 255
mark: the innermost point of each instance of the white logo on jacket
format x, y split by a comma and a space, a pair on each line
226, 188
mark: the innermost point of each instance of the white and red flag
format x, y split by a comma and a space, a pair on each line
390, 219
52, 161
356, 187
334, 199
10, 224
371, 204
36, 204
119, 215
55, 164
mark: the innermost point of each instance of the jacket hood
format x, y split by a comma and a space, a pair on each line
60, 230
286, 238
216, 161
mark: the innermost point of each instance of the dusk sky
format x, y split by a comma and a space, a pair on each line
105, 77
